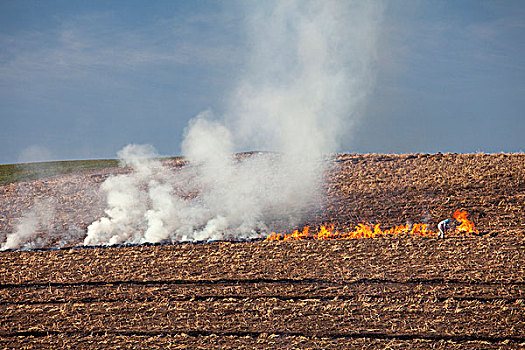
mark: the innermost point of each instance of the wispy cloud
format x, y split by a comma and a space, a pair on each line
93, 45
93, 78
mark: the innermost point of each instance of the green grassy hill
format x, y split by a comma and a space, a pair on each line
32, 171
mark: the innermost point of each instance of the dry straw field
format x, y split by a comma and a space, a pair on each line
467, 291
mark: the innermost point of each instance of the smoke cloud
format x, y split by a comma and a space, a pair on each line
309, 69
39, 216
311, 66
35, 153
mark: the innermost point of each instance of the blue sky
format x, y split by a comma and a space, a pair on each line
81, 79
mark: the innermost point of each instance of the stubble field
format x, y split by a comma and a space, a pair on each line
467, 291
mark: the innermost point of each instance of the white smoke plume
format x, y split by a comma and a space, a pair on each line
39, 216
310, 67
35, 153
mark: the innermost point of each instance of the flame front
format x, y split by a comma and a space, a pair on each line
371, 231
466, 225
360, 231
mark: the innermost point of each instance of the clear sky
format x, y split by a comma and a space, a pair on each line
81, 79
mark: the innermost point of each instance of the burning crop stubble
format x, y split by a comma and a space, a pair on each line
372, 231
386, 189
304, 82
413, 293
298, 110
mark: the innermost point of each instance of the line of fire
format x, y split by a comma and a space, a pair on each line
465, 226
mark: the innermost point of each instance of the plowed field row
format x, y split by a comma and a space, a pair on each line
282, 290
404, 292
109, 340
471, 260
397, 293
416, 318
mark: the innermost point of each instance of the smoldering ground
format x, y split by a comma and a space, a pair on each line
48, 213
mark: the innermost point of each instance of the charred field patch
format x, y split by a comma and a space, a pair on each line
403, 292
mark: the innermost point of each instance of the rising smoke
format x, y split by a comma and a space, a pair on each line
50, 221
310, 66
38, 217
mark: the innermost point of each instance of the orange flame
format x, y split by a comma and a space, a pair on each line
466, 225
360, 231
371, 231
